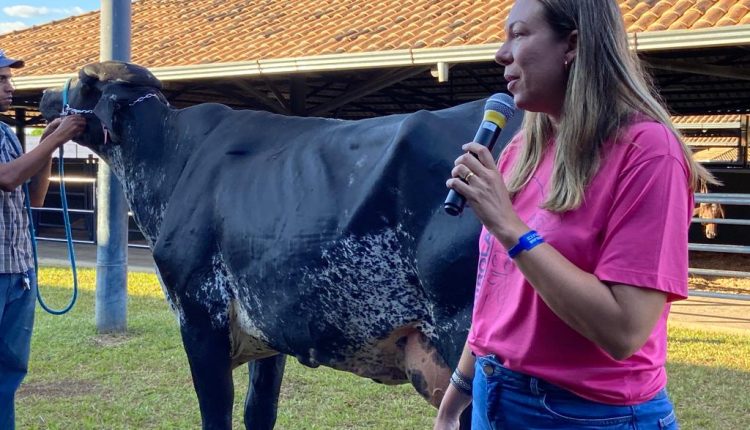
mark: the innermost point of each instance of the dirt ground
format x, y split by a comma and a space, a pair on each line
720, 261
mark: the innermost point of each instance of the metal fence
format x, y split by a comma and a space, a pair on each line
89, 215
727, 199
721, 198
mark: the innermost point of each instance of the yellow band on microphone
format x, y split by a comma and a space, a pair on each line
495, 117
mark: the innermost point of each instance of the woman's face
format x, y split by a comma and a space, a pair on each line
534, 59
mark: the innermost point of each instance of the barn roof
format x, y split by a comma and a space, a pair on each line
360, 58
180, 33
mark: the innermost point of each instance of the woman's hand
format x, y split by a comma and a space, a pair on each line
451, 407
442, 423
475, 177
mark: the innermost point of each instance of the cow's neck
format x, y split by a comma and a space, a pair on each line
147, 162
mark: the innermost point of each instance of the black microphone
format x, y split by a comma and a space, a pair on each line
497, 111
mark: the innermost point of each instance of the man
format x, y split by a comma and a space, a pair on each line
17, 277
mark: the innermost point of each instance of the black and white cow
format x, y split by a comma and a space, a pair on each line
317, 238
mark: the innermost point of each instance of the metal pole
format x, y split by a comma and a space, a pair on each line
112, 208
21, 127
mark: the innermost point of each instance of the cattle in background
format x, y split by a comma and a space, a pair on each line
709, 210
317, 238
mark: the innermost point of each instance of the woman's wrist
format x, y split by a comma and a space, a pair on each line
453, 404
526, 242
462, 382
508, 233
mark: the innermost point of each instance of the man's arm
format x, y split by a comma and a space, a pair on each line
36, 163
40, 181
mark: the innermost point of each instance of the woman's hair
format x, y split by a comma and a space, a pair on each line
606, 88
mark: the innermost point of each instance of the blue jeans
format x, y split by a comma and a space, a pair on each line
504, 399
16, 323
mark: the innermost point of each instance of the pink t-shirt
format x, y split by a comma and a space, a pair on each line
631, 229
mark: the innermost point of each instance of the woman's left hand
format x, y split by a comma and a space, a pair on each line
475, 177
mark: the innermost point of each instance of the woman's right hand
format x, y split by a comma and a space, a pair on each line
451, 407
442, 423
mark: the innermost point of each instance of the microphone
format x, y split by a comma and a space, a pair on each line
497, 111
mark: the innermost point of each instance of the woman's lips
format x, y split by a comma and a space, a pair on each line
511, 82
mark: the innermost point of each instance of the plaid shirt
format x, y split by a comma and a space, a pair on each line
15, 241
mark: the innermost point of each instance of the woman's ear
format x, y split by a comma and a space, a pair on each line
572, 51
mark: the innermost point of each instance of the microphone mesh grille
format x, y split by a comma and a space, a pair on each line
502, 103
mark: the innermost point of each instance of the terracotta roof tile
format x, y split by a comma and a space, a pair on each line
178, 32
666, 20
705, 119
689, 18
716, 155
661, 7
646, 19
705, 141
711, 17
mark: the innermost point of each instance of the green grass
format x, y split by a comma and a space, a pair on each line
81, 380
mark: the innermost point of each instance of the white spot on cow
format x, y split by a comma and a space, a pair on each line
213, 293
176, 309
366, 287
359, 164
247, 340
135, 178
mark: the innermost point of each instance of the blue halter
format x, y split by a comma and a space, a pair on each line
69, 235
65, 105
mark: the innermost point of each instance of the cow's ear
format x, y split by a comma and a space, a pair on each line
107, 110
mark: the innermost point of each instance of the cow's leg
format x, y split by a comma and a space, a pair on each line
208, 351
262, 400
426, 370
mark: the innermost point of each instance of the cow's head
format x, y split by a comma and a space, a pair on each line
101, 92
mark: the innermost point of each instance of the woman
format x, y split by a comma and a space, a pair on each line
584, 243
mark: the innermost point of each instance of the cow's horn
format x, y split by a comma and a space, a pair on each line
116, 71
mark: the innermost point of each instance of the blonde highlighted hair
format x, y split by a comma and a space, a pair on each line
606, 88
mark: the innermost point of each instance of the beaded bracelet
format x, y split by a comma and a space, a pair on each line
461, 382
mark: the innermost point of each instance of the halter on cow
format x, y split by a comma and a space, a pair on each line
317, 238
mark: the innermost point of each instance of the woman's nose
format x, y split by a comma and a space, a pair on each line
502, 56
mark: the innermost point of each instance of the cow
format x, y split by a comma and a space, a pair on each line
274, 236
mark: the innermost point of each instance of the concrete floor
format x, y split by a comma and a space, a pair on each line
56, 254
714, 313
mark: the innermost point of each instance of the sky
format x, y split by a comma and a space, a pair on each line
20, 14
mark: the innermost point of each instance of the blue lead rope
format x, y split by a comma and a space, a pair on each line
68, 235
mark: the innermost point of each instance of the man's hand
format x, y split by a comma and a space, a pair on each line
65, 128
51, 127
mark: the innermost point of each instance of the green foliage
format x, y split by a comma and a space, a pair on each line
35, 131
79, 379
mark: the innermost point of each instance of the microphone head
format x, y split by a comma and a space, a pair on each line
501, 103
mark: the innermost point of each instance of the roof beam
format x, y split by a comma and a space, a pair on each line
278, 95
375, 85
260, 97
700, 69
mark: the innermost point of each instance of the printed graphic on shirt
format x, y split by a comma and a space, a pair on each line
494, 266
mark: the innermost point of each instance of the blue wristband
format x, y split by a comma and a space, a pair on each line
525, 243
